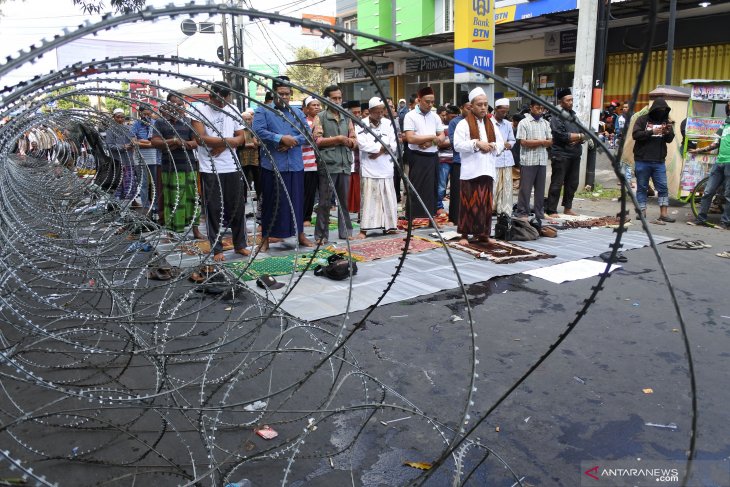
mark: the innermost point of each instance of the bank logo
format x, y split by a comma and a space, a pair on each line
480, 7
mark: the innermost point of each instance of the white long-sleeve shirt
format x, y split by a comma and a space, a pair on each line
381, 166
475, 163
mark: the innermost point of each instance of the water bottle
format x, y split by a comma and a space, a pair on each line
241, 483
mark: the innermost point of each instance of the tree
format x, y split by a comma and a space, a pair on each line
119, 6
97, 6
313, 77
67, 102
124, 103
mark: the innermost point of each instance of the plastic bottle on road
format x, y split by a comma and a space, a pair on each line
241, 483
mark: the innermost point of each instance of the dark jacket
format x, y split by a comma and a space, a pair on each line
650, 147
562, 129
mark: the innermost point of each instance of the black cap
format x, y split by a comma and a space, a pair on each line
351, 104
563, 93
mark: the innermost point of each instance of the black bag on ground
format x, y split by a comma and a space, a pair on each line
503, 227
523, 231
337, 268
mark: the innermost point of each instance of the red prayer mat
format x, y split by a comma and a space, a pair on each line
500, 252
381, 249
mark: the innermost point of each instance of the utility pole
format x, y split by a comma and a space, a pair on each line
670, 41
226, 53
584, 64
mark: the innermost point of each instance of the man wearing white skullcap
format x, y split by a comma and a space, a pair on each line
479, 142
503, 199
379, 206
311, 107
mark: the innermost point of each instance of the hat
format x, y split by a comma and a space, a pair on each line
425, 91
375, 102
402, 100
351, 104
309, 100
563, 93
364, 106
615, 103
478, 91
118, 111
463, 99
268, 282
502, 102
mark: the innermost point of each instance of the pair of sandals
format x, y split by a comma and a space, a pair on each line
620, 257
162, 272
689, 245
203, 273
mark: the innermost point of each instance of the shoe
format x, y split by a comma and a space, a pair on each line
667, 219
620, 257
701, 223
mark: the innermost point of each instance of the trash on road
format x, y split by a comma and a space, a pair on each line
418, 465
267, 432
670, 426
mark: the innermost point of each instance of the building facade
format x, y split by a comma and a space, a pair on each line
535, 45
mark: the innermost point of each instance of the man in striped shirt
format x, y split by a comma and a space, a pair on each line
311, 107
535, 137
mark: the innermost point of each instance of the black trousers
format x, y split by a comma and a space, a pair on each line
224, 199
566, 172
311, 182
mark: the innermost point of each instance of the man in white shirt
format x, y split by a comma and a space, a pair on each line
379, 205
422, 131
219, 130
479, 142
503, 198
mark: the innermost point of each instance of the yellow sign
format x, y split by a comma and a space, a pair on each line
474, 34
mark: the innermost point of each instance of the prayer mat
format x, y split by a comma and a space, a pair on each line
381, 249
333, 223
202, 247
282, 265
603, 221
500, 252
440, 220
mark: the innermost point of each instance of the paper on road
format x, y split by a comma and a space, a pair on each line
571, 271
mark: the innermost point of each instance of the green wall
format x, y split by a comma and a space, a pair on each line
374, 17
414, 18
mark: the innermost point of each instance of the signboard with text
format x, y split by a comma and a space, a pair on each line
321, 19
473, 38
531, 9
256, 91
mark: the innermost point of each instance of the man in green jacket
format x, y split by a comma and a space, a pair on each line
720, 174
335, 137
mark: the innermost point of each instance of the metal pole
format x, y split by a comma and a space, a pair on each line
584, 63
226, 53
670, 41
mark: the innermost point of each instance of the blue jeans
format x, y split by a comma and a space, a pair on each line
444, 171
720, 174
657, 171
149, 198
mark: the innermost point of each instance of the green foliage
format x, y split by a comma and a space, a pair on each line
119, 6
312, 77
111, 103
67, 102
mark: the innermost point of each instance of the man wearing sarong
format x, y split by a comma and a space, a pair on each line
282, 187
175, 140
503, 198
219, 132
478, 141
422, 131
379, 205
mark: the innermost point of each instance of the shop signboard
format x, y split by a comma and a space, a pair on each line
473, 38
703, 127
426, 63
562, 42
255, 90
531, 9
321, 19
715, 92
382, 69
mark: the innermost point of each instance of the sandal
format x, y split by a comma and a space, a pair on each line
682, 245
724, 255
700, 243
658, 222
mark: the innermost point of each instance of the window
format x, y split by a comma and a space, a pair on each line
448, 15
350, 23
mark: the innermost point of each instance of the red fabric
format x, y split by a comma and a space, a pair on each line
353, 200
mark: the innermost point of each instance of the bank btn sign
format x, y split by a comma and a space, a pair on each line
473, 37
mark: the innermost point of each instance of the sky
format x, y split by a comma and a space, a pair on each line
24, 23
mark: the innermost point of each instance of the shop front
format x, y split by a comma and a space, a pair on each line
357, 86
